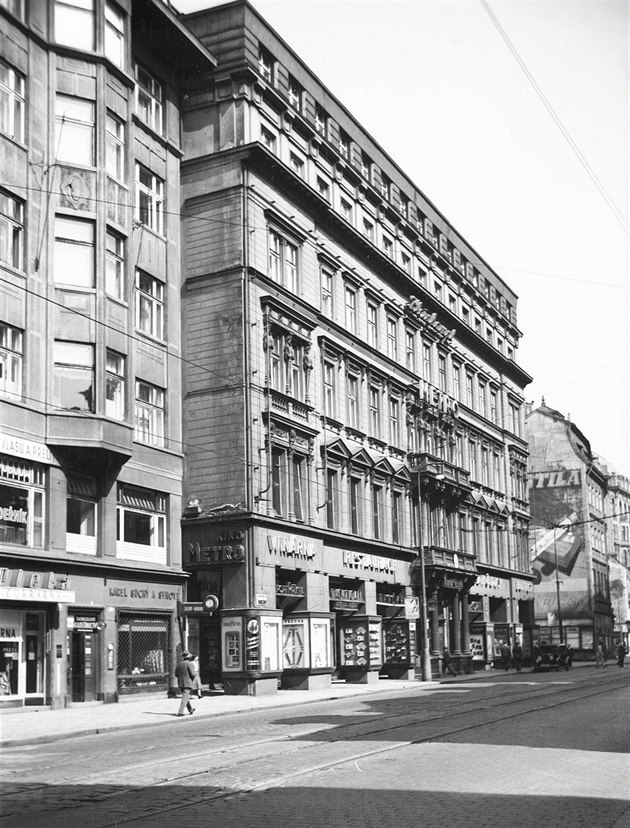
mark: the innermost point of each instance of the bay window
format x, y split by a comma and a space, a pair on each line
74, 23
114, 34
81, 512
141, 525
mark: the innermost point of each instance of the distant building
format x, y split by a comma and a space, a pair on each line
90, 385
351, 391
568, 488
618, 512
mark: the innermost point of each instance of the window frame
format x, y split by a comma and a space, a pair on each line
115, 147
115, 275
116, 34
115, 378
78, 147
350, 294
280, 267
74, 252
13, 89
149, 414
11, 361
75, 12
11, 230
154, 552
64, 370
149, 99
149, 199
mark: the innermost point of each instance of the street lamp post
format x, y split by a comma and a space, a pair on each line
555, 555
424, 625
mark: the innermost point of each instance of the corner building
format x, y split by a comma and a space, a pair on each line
90, 437
351, 392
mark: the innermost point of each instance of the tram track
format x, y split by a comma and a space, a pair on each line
233, 763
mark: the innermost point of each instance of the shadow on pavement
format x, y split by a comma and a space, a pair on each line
310, 806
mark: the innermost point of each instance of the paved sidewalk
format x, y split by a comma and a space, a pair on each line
37, 725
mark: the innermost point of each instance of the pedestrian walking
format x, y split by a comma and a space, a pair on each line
568, 659
600, 655
517, 655
504, 651
621, 653
197, 688
185, 674
447, 663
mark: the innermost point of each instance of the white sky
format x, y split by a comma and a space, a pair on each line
438, 88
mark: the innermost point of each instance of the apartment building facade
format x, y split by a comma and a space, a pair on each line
571, 534
91, 436
351, 392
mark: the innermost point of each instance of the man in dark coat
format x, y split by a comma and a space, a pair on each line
185, 674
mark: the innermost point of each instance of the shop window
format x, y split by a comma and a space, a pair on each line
114, 34
115, 385
115, 282
149, 100
73, 378
74, 252
11, 102
115, 147
11, 231
22, 488
283, 261
141, 525
11, 356
81, 516
149, 305
149, 199
74, 23
74, 138
143, 654
149, 414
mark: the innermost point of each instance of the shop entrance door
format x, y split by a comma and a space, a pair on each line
82, 678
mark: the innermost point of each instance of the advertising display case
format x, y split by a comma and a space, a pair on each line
360, 647
306, 651
252, 651
399, 652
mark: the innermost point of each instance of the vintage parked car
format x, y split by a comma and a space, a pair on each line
549, 657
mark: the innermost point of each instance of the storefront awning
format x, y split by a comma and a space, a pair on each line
51, 596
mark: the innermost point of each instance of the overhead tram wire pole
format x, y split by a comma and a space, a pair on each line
555, 556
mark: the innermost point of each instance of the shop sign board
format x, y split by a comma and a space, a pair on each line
57, 596
84, 622
26, 449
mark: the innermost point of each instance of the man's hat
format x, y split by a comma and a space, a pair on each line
186, 654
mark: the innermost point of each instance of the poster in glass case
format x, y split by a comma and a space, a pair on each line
270, 644
295, 644
397, 642
320, 642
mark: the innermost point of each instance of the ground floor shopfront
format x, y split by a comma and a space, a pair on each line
296, 610
73, 636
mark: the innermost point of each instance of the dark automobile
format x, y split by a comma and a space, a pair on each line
549, 657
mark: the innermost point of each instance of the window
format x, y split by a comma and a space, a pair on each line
11, 229
368, 229
74, 23
16, 7
81, 516
114, 34
515, 420
74, 137
355, 506
141, 525
330, 402
149, 100
410, 350
396, 517
321, 119
496, 471
392, 338
406, 262
11, 351
484, 467
323, 188
372, 324
327, 277
377, 512
442, 372
388, 247
346, 210
74, 252
149, 199
296, 164
265, 64
115, 266
11, 102
332, 498
22, 489
494, 412
353, 401
268, 138
279, 481
481, 398
295, 94
385, 185
149, 305
351, 309
375, 411
472, 460
366, 165
394, 421
457, 386
344, 144
73, 376
426, 361
287, 364
469, 390
115, 385
283, 261
149, 415
115, 148
298, 464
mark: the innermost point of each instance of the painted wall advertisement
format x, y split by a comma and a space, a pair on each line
556, 508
